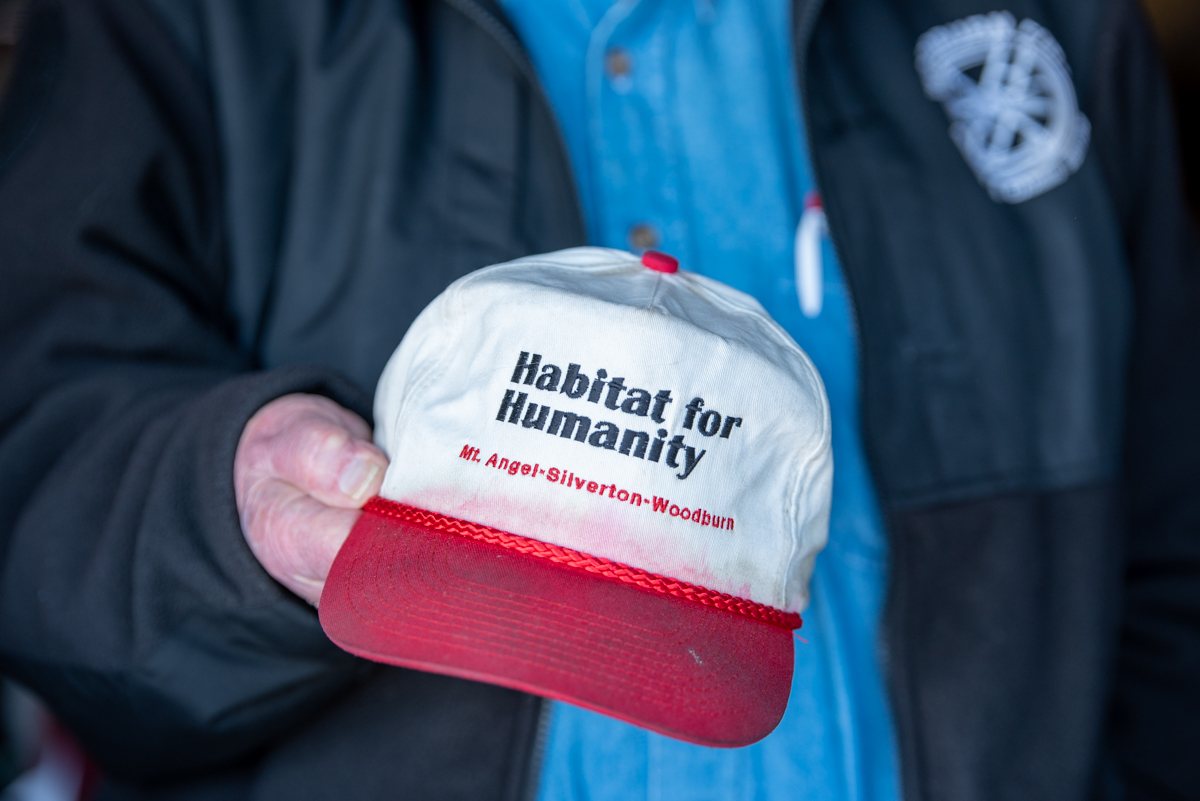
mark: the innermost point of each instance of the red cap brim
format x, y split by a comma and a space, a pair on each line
407, 595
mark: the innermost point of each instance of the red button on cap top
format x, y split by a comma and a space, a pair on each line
660, 262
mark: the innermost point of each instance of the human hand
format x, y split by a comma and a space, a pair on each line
303, 469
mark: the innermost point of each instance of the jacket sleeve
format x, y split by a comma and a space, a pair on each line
1155, 725
128, 599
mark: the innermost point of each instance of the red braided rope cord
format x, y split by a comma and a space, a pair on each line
592, 564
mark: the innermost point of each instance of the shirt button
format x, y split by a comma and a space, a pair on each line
643, 236
618, 63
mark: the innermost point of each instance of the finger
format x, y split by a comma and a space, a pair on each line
316, 445
293, 536
329, 463
285, 411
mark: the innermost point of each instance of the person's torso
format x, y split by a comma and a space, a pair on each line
377, 151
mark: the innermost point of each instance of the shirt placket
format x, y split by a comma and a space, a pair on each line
637, 187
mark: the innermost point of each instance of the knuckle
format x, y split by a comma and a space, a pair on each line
313, 451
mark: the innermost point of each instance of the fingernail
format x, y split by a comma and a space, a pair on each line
356, 478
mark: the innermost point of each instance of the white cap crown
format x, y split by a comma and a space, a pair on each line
659, 420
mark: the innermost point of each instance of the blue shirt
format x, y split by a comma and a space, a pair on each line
683, 125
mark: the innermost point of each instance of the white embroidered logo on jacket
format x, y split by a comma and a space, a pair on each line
1007, 90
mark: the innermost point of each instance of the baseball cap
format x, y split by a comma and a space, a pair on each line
609, 481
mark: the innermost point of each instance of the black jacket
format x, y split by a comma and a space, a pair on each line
206, 204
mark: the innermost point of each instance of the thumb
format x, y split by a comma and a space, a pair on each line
313, 444
328, 462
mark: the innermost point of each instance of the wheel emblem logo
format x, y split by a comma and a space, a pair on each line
1007, 90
